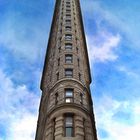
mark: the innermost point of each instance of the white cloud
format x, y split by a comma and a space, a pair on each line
100, 12
21, 40
105, 110
101, 47
18, 109
23, 128
128, 71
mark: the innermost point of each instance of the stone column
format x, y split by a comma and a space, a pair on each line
59, 132
49, 132
88, 130
79, 128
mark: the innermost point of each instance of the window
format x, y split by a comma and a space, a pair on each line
68, 16
81, 98
68, 28
78, 61
58, 61
68, 22
59, 49
56, 98
57, 75
68, 46
68, 37
79, 76
68, 3
68, 58
68, 10
67, 6
69, 73
60, 39
54, 128
77, 49
76, 40
69, 125
61, 31
69, 95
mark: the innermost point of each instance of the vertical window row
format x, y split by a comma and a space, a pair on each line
68, 37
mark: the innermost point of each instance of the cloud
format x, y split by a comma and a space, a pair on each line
23, 42
23, 30
108, 16
18, 108
119, 127
102, 47
127, 71
23, 128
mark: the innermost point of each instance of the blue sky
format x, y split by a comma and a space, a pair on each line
112, 32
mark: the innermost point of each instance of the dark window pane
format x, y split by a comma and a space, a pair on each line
57, 75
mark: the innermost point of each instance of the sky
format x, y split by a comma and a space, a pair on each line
112, 32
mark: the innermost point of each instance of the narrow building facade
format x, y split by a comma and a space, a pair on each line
66, 110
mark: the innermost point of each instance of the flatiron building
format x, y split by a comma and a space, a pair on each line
66, 109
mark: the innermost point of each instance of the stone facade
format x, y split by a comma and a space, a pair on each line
66, 111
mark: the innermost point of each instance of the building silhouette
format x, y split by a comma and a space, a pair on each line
66, 111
